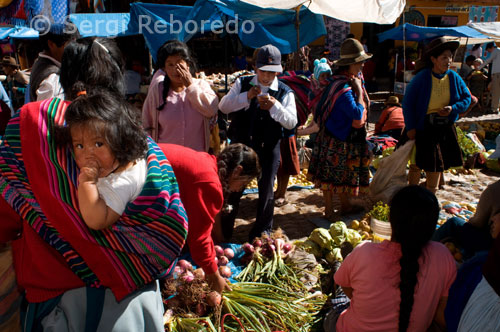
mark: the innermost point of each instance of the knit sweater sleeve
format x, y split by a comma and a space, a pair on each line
462, 95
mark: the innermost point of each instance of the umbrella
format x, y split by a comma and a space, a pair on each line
381, 12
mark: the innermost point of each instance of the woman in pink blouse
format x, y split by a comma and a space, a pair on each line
178, 110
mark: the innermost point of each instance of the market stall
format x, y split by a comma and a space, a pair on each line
409, 32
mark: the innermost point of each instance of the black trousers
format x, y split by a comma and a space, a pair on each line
269, 159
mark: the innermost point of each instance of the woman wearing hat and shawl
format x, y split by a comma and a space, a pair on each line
432, 103
340, 158
391, 121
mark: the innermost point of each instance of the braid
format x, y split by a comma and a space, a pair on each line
409, 270
413, 216
164, 92
230, 158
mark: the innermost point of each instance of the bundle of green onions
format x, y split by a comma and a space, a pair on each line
267, 266
264, 307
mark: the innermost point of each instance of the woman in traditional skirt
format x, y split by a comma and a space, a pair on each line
340, 157
432, 103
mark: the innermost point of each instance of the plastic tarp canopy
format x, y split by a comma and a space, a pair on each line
18, 32
102, 25
255, 26
158, 23
491, 29
381, 11
418, 33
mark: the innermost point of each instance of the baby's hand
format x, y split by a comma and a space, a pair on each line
89, 173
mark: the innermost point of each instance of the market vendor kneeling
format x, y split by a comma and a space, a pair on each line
478, 233
205, 182
391, 121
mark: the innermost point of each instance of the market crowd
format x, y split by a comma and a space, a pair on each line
100, 199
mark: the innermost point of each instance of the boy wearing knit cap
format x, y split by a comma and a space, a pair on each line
262, 109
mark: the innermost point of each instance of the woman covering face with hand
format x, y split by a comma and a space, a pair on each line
178, 110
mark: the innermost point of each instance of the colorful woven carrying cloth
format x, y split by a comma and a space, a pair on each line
40, 182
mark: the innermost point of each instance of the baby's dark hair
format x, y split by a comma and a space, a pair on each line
414, 212
170, 48
233, 156
96, 62
110, 114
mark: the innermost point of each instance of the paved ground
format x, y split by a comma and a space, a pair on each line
306, 205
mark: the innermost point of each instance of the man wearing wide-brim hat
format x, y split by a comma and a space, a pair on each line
17, 81
432, 103
391, 122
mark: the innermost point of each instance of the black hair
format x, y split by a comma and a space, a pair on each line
70, 32
350, 35
490, 45
170, 48
470, 58
475, 47
95, 62
110, 114
413, 215
339, 70
235, 155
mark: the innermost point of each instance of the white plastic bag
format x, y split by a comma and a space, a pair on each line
391, 174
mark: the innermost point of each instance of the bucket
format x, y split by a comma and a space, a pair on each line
381, 230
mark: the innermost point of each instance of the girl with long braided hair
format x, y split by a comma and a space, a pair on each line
205, 182
401, 284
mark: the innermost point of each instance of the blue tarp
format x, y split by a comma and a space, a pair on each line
418, 33
18, 32
255, 26
158, 23
103, 25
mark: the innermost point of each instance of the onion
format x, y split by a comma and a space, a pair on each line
229, 253
223, 260
185, 265
248, 248
188, 276
225, 271
246, 259
279, 243
216, 260
213, 299
219, 251
178, 270
199, 273
287, 247
257, 243
200, 309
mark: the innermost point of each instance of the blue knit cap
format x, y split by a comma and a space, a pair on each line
321, 66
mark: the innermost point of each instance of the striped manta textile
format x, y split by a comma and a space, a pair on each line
39, 180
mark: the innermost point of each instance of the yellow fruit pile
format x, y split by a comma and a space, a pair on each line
363, 228
297, 180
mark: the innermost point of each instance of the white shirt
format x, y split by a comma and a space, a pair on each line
494, 58
285, 113
118, 189
50, 87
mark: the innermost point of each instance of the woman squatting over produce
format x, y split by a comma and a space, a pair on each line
205, 181
396, 285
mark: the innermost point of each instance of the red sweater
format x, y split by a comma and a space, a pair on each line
202, 196
40, 269
391, 118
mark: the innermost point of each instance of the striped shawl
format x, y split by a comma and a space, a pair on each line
40, 182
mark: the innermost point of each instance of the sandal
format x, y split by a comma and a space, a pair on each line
280, 202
